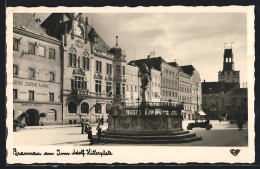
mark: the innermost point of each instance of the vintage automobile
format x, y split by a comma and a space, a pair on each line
17, 125
204, 124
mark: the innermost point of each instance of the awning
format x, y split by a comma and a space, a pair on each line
202, 113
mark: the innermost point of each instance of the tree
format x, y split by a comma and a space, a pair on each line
42, 115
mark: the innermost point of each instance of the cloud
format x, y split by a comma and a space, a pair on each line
191, 38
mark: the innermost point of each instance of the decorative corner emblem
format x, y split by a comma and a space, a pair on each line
234, 152
79, 43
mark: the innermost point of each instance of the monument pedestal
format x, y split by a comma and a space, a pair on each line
146, 129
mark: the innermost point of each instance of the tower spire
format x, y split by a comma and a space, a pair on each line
116, 40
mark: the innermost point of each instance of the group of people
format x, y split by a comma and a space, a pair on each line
87, 129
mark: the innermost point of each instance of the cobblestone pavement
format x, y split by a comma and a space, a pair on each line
222, 134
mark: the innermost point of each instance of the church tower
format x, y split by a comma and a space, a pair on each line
228, 74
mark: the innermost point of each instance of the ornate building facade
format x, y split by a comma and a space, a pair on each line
93, 73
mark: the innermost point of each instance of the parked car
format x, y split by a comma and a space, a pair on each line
205, 125
17, 125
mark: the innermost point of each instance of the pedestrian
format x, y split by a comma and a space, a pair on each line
102, 120
86, 126
89, 132
239, 124
82, 126
90, 137
99, 131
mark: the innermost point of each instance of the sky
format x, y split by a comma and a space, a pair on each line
188, 38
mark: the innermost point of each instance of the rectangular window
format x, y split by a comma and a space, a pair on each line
31, 48
31, 73
15, 44
170, 93
135, 88
108, 87
52, 77
31, 95
98, 86
78, 83
99, 66
118, 71
15, 70
166, 93
41, 51
74, 60
109, 69
118, 88
70, 59
123, 89
123, 70
15, 94
85, 63
51, 97
51, 53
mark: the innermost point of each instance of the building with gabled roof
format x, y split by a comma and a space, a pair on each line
225, 99
37, 85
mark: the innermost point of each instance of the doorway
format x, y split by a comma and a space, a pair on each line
33, 117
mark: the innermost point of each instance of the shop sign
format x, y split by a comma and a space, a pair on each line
32, 84
31, 104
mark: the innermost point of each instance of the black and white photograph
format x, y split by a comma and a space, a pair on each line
160, 84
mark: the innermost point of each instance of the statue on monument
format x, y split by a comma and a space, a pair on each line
144, 74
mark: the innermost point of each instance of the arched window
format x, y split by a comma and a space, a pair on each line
85, 107
52, 115
98, 108
72, 57
72, 107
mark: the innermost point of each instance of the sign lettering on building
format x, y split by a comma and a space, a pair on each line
29, 104
33, 84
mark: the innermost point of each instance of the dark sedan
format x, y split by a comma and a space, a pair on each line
17, 125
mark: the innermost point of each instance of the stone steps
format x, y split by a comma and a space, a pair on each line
145, 134
151, 141
148, 138
151, 137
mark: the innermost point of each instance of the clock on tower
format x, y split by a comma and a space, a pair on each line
78, 30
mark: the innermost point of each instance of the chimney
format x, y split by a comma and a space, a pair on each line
174, 60
204, 80
38, 20
148, 56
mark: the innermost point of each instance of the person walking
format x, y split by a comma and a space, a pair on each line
82, 126
102, 120
99, 131
89, 132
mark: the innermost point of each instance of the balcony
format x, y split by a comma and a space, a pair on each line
80, 91
108, 77
98, 75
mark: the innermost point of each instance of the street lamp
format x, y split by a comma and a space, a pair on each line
197, 100
169, 106
138, 99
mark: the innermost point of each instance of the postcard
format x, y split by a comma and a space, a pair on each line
130, 85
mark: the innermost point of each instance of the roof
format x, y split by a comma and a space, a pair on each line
217, 87
26, 22
175, 64
150, 62
240, 91
56, 24
188, 69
